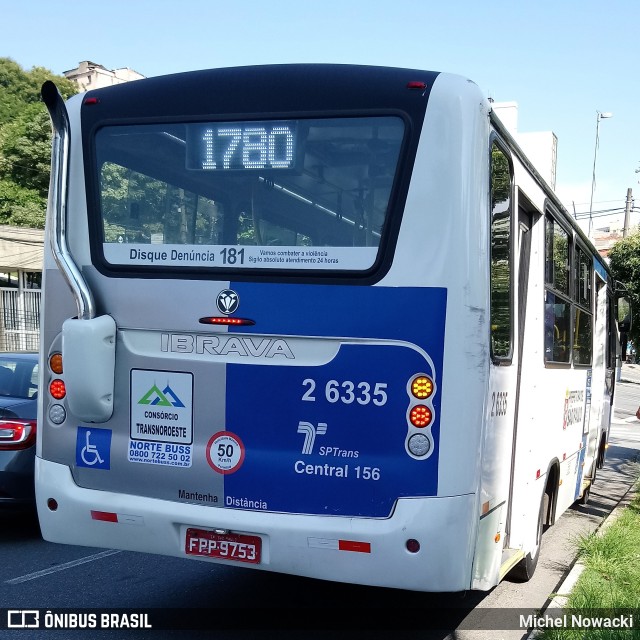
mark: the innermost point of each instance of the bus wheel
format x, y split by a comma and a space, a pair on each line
586, 494
525, 569
601, 454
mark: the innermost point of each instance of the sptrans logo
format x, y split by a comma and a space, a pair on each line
310, 432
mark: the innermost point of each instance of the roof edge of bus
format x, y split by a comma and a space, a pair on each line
302, 66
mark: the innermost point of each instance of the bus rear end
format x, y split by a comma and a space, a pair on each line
236, 372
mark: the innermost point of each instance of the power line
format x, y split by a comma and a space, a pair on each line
603, 213
27, 255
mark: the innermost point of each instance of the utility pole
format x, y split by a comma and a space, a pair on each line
627, 214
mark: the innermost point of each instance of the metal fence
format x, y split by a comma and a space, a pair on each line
19, 320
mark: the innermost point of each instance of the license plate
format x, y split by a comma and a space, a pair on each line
227, 546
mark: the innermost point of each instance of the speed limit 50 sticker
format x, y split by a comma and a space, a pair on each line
225, 452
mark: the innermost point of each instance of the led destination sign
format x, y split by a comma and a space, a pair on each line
242, 146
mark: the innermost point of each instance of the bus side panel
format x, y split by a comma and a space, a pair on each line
497, 451
558, 419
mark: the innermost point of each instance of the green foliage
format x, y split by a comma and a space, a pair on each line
19, 88
20, 206
25, 143
500, 176
625, 263
25, 147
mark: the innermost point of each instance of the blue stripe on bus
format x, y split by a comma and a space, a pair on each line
600, 270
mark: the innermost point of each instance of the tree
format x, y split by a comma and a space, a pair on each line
19, 88
25, 148
25, 143
624, 260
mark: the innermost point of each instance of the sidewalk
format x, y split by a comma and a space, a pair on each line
627, 395
630, 373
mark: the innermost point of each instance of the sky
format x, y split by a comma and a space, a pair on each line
562, 61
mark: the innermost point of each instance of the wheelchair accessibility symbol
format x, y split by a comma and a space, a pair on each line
93, 448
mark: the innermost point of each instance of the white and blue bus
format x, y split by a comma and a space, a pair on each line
325, 320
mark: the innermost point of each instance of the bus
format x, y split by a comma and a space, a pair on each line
322, 320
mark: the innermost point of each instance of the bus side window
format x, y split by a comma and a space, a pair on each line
583, 308
557, 320
501, 257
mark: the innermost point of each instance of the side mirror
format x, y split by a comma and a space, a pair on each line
624, 314
89, 381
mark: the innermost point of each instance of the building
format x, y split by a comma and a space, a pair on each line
541, 147
21, 256
89, 75
605, 237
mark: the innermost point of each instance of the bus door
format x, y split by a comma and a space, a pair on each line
598, 415
525, 224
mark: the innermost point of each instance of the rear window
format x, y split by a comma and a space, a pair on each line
18, 378
273, 194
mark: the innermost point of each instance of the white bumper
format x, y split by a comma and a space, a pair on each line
296, 544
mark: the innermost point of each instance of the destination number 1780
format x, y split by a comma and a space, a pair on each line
347, 392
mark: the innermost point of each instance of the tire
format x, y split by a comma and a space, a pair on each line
525, 569
586, 494
601, 455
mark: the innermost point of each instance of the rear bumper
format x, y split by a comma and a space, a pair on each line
16, 476
294, 544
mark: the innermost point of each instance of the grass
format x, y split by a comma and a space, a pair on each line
610, 583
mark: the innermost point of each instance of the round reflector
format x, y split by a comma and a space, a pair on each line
413, 545
57, 414
419, 445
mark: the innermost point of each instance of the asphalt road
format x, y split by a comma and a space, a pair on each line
242, 603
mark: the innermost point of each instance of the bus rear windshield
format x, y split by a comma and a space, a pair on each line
271, 194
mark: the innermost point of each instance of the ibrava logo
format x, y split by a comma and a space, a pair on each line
165, 398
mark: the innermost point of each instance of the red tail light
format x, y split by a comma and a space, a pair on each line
17, 434
57, 389
420, 416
